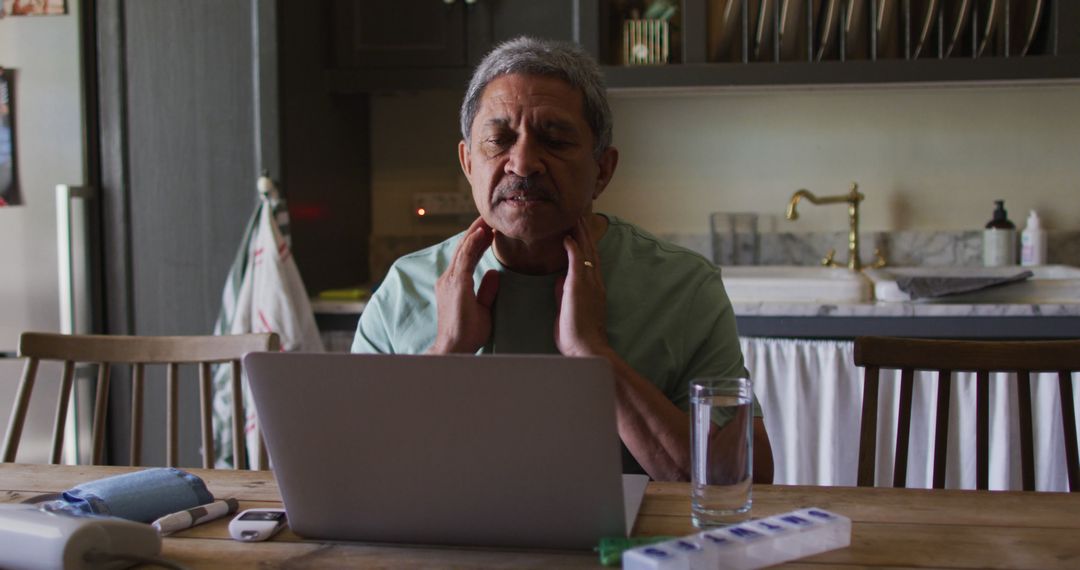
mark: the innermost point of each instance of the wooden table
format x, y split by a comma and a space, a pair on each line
895, 528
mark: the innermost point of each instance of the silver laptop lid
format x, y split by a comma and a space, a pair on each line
492, 450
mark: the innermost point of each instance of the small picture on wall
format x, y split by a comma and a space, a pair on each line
33, 8
9, 182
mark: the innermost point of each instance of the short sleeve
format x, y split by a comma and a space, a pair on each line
373, 330
711, 335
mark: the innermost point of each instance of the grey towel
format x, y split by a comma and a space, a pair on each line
930, 287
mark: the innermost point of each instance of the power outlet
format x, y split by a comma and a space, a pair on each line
442, 205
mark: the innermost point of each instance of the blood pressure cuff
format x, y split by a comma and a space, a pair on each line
142, 496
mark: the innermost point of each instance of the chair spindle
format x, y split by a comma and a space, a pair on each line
206, 394
903, 428
1068, 423
982, 430
941, 432
101, 410
18, 415
1027, 437
66, 382
172, 398
238, 419
137, 378
868, 428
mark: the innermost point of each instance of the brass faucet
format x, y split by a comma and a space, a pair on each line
852, 199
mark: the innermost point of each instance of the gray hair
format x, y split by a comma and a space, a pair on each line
531, 56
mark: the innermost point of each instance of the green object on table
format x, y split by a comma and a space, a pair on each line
612, 547
350, 294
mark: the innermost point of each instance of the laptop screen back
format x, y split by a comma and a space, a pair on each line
493, 450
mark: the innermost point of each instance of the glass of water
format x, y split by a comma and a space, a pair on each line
735, 238
722, 450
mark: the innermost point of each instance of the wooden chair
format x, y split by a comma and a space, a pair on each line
137, 351
981, 357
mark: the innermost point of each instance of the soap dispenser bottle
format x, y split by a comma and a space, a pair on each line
1033, 242
999, 239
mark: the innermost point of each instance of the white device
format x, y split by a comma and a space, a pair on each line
254, 525
32, 538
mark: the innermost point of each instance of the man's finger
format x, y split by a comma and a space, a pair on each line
585, 244
574, 260
469, 252
454, 259
478, 242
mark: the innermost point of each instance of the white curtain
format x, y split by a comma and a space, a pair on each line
811, 394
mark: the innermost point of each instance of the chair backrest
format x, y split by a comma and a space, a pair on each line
982, 358
137, 351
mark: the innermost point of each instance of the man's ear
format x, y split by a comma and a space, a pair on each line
609, 159
465, 159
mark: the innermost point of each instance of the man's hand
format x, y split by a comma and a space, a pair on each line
580, 298
465, 316
656, 432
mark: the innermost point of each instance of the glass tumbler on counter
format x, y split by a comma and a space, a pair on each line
721, 450
736, 239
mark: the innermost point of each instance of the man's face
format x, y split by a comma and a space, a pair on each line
530, 161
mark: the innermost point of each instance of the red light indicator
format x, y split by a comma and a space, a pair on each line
421, 212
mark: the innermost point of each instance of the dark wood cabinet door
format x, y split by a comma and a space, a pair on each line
491, 22
439, 33
402, 33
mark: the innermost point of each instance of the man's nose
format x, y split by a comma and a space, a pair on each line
525, 158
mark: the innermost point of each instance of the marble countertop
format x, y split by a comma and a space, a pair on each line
904, 309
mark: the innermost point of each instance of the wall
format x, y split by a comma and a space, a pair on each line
44, 52
928, 158
414, 140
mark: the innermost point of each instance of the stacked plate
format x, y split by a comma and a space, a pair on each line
816, 30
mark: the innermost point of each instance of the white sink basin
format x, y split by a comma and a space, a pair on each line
1051, 284
794, 284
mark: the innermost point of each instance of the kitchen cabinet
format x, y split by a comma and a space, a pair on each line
596, 24
406, 33
380, 44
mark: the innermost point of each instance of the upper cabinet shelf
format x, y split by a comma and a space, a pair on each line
715, 43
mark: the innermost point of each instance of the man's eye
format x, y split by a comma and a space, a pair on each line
497, 142
558, 143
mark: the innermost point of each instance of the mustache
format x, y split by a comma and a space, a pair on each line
531, 186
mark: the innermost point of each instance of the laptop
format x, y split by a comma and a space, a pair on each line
494, 450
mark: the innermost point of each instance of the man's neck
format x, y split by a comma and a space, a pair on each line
542, 257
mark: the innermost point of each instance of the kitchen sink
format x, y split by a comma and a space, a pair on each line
794, 284
1051, 284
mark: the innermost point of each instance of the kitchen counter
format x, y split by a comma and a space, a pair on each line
939, 320
815, 320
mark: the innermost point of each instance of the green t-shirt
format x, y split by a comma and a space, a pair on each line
668, 316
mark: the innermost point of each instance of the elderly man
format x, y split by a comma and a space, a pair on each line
540, 272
